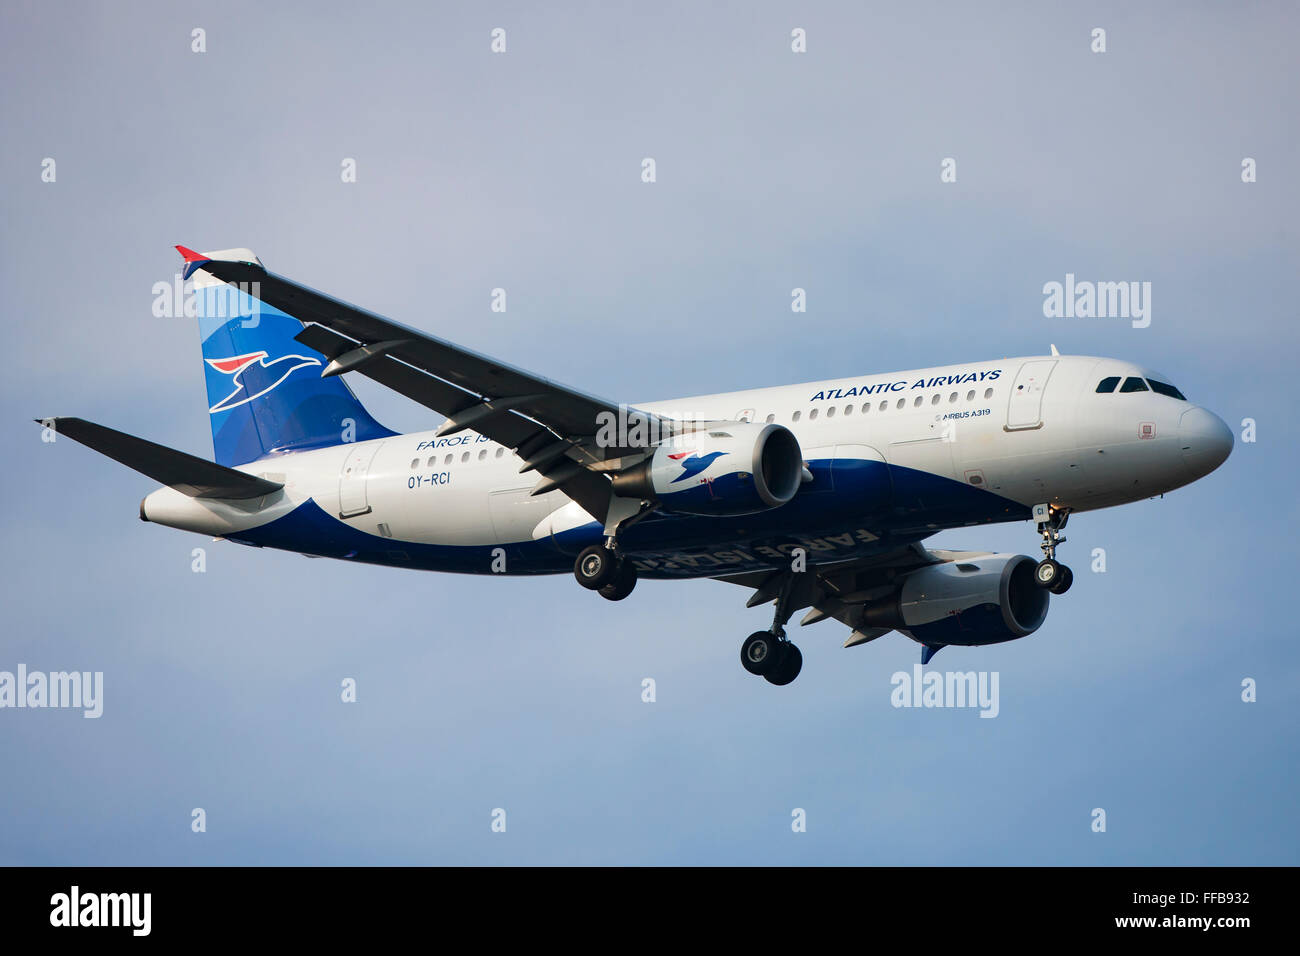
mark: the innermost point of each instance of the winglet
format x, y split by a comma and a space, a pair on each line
193, 260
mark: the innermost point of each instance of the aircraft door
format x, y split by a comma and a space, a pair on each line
353, 500
1025, 407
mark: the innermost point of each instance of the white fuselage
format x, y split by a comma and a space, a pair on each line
1026, 430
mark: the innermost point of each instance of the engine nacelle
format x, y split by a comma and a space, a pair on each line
984, 600
735, 468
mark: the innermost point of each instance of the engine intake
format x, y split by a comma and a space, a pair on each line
732, 469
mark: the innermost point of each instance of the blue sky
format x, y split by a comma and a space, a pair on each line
522, 171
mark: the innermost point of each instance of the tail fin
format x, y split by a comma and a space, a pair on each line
265, 391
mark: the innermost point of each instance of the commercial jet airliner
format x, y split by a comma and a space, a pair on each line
812, 496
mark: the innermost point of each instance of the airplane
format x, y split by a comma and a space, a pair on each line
814, 495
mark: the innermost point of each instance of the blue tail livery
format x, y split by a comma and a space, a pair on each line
266, 395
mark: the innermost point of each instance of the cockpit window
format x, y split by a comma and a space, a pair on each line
1161, 388
1107, 384
1133, 384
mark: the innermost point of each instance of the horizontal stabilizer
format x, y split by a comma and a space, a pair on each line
196, 477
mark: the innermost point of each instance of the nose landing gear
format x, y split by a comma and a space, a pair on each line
1050, 573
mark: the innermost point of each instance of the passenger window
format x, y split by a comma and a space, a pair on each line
433, 460
830, 412
464, 457
794, 417
988, 393
482, 454
970, 395
812, 414
771, 419
1107, 384
901, 403
866, 407
415, 463
500, 452
952, 398
447, 460
935, 399
848, 409
1162, 388
1133, 384
883, 406
917, 403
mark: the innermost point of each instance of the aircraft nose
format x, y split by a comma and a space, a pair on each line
1205, 440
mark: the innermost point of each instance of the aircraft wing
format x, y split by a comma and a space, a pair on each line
841, 590
551, 426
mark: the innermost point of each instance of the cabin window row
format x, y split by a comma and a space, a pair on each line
448, 459
917, 402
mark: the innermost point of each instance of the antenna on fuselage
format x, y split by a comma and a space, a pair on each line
1055, 353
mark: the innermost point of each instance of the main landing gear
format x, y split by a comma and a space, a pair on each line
771, 657
1050, 573
601, 568
604, 567
769, 654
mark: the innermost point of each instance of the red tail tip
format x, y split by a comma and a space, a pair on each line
190, 255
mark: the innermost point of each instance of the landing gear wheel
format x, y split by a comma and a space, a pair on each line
623, 583
787, 668
1063, 581
1047, 573
596, 566
1050, 573
760, 652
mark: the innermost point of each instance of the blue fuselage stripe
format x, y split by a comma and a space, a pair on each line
865, 508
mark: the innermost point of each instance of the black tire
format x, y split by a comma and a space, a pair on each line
1047, 572
788, 668
595, 567
622, 584
1062, 583
760, 652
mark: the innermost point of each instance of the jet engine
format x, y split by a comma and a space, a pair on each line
734, 468
980, 600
